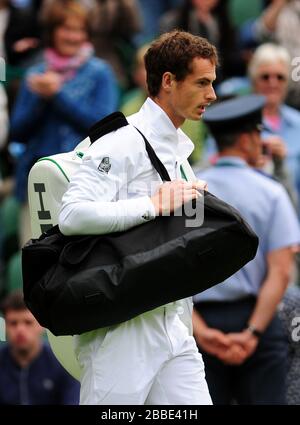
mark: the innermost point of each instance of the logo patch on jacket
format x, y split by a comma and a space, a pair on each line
104, 165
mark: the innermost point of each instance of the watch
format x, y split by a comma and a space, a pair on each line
252, 329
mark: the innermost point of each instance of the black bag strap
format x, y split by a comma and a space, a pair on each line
108, 124
117, 120
156, 162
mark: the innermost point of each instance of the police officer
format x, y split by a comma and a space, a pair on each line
150, 359
235, 323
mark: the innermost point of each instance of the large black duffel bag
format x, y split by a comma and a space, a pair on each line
74, 284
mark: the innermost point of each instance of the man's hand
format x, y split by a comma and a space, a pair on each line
275, 146
45, 85
234, 355
213, 341
174, 194
246, 340
25, 44
222, 346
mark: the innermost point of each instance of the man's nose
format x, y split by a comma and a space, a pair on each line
211, 95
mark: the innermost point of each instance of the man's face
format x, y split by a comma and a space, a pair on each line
189, 97
271, 80
22, 329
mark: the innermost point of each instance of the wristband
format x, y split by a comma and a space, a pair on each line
254, 331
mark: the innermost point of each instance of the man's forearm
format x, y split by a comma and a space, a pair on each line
198, 323
268, 299
271, 14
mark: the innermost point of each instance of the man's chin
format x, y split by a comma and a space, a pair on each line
197, 116
22, 349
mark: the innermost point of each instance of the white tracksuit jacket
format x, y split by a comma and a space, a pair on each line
151, 359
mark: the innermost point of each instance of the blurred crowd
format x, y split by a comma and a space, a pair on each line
69, 63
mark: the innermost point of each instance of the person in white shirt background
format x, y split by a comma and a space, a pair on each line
153, 358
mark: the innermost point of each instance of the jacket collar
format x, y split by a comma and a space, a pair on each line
231, 160
162, 130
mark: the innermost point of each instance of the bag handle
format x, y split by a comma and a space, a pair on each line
156, 162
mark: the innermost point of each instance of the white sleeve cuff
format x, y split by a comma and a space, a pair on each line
135, 211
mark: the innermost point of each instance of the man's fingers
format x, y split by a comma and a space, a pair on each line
201, 185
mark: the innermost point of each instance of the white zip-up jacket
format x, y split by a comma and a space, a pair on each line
111, 191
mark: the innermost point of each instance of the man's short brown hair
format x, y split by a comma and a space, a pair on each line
174, 52
13, 301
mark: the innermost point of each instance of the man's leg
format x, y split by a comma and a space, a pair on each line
120, 363
181, 380
220, 379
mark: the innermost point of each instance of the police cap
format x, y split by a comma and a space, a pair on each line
237, 115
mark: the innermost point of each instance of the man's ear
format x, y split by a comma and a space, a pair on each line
167, 81
244, 142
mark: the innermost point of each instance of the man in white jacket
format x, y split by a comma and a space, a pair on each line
151, 359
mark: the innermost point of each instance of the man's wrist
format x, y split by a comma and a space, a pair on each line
254, 331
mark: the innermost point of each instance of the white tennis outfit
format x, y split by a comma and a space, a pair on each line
153, 358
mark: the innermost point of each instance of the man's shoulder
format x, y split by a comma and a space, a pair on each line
4, 351
262, 182
125, 142
266, 181
48, 359
291, 114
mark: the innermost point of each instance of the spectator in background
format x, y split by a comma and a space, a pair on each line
113, 24
235, 323
30, 374
269, 71
6, 184
61, 97
209, 19
280, 22
151, 12
289, 313
20, 34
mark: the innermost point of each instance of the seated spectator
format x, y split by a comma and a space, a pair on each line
63, 96
30, 374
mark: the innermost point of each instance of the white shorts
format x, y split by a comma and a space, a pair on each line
150, 359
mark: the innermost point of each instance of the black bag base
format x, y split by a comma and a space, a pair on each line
80, 283
157, 263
